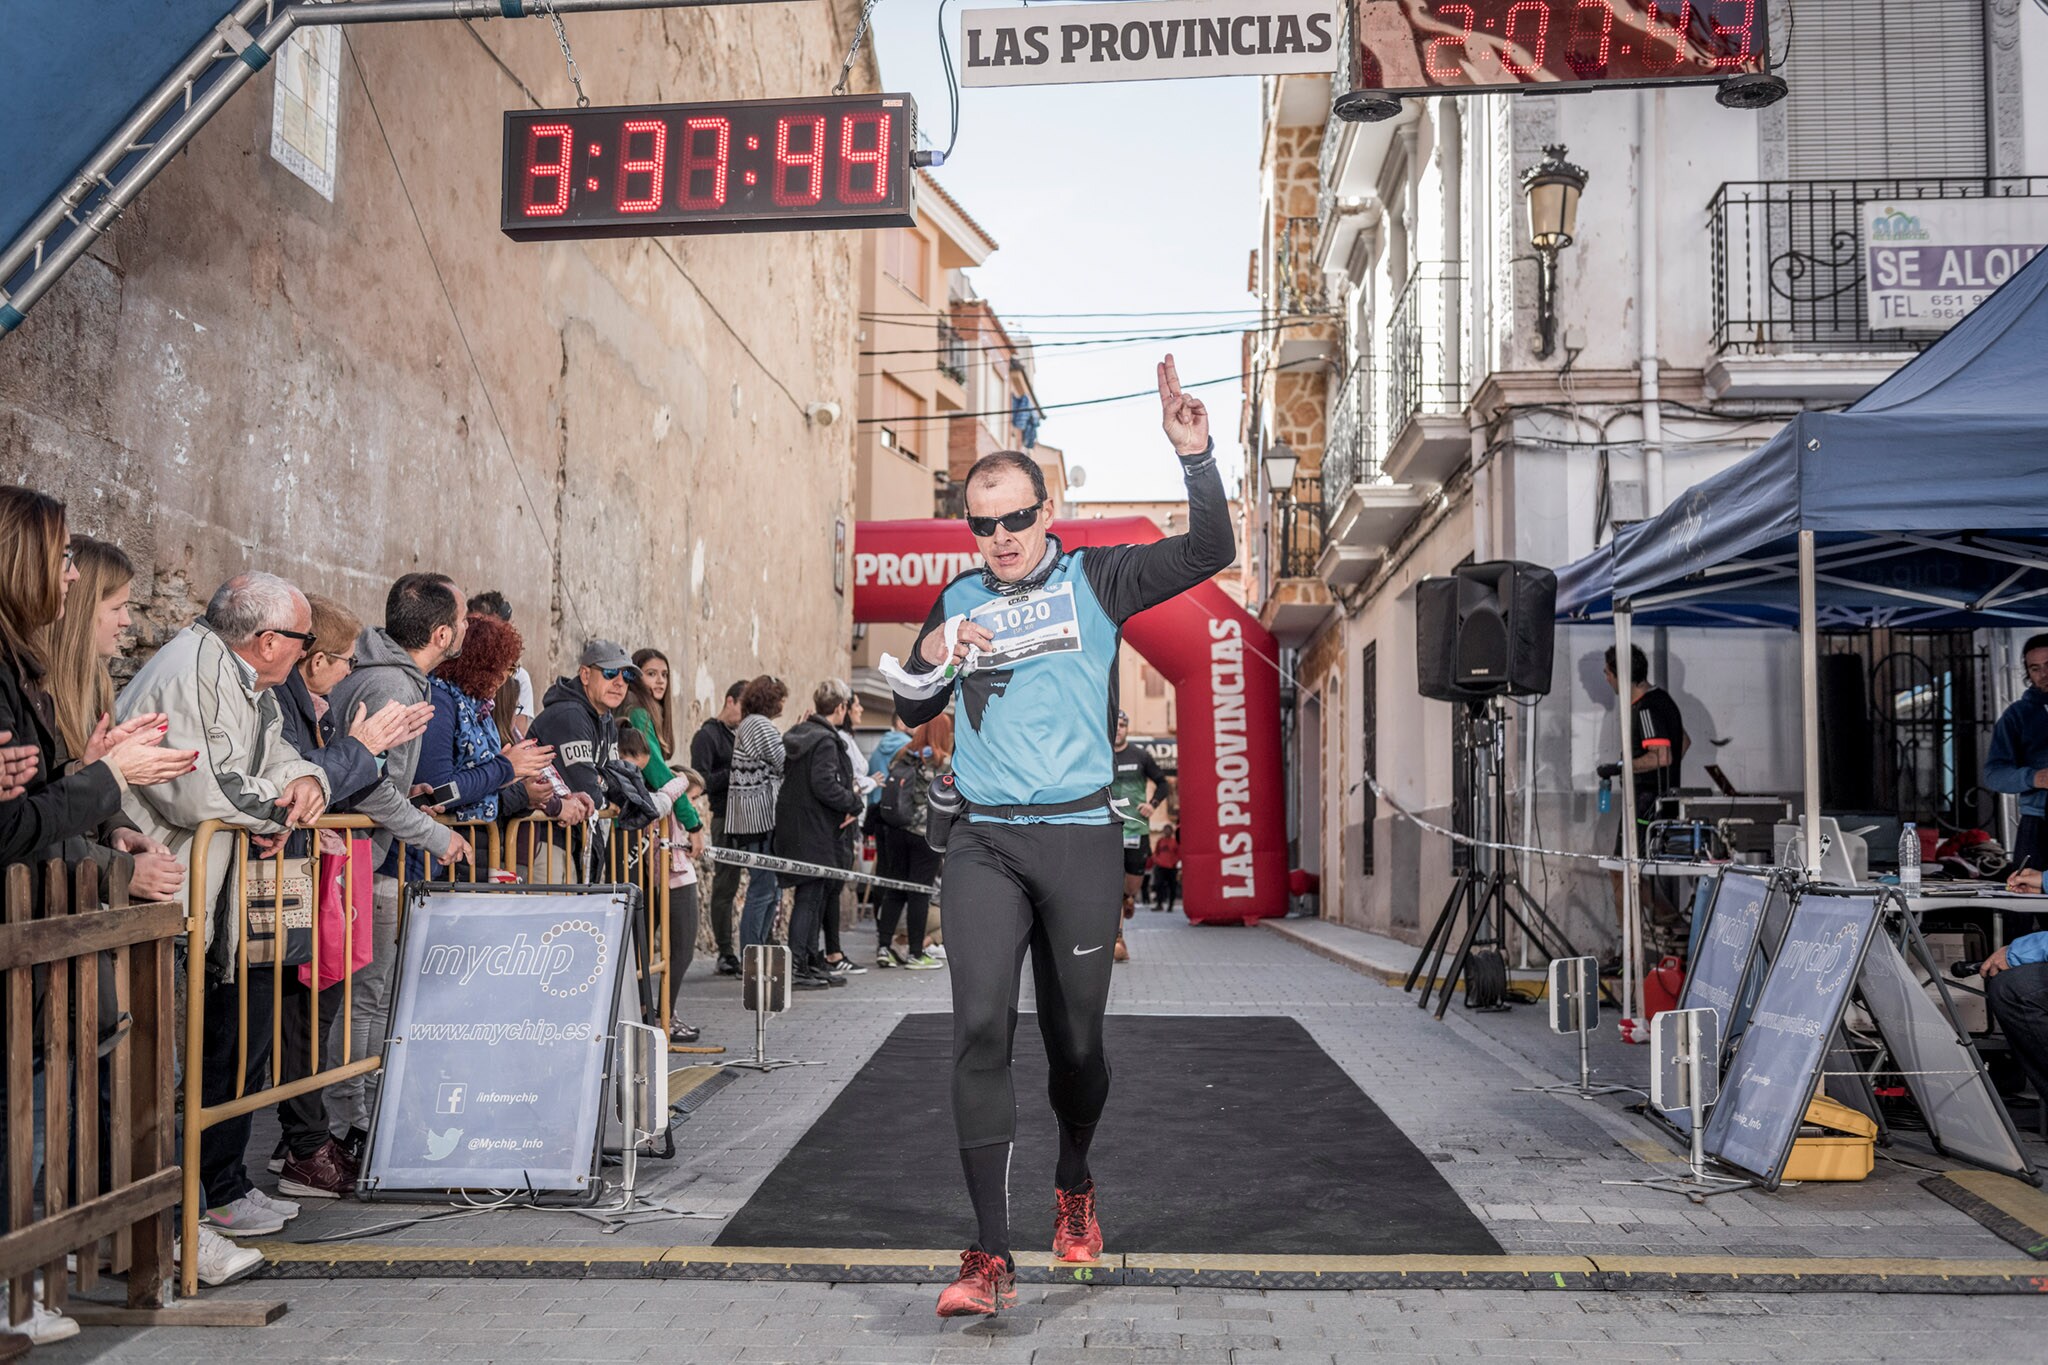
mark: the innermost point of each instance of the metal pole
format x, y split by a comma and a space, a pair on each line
1525, 734
242, 53
1809, 702
1631, 879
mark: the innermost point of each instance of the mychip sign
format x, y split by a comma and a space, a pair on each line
1065, 44
1928, 262
501, 1029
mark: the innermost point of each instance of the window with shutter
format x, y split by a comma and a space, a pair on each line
1884, 88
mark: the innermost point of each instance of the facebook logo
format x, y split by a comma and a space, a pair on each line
449, 1099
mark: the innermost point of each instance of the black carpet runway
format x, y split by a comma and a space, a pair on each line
1227, 1135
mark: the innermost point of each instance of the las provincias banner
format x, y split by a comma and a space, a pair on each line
1163, 40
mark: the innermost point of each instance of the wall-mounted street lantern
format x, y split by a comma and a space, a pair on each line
1280, 462
1552, 188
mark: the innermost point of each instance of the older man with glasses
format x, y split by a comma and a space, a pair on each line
1029, 642
215, 685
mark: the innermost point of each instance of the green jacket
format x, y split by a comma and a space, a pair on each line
659, 774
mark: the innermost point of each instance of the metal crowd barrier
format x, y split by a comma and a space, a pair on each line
530, 848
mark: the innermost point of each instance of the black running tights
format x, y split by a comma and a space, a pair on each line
1056, 891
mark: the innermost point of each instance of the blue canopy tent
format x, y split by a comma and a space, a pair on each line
1924, 503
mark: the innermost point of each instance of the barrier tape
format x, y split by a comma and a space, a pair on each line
769, 863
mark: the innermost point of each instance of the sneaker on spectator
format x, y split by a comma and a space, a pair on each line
844, 966
354, 1145
324, 1173
885, 958
937, 950
680, 1032
278, 1157
728, 965
246, 1217
220, 1261
44, 1324
287, 1209
924, 962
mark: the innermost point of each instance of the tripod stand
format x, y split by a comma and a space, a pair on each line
1490, 895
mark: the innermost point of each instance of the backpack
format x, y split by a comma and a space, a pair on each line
900, 795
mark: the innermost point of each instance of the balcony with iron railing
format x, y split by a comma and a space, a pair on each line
1791, 297
1293, 601
1364, 511
1426, 433
952, 352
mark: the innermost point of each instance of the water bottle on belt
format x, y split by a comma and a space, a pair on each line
944, 805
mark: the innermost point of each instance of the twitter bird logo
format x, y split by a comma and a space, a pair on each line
440, 1145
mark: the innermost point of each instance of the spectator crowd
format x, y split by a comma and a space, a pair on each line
277, 706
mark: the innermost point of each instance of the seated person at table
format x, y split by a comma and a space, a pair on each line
2016, 989
2018, 761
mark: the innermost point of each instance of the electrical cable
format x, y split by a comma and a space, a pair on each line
952, 95
461, 332
1157, 313
1110, 339
1079, 402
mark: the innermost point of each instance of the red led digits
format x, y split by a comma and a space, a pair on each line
556, 170
1526, 11
810, 161
1675, 35
707, 147
650, 165
1734, 57
1430, 54
876, 156
1591, 19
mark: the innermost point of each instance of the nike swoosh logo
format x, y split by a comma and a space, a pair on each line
1083, 952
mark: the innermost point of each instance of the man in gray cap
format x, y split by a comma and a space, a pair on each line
576, 718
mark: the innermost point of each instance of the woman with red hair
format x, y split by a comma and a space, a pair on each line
462, 745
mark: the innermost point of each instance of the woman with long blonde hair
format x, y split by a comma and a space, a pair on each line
77, 646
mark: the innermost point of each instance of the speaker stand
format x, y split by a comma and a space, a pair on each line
1482, 894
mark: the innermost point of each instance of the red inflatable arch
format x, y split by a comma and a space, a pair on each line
1233, 834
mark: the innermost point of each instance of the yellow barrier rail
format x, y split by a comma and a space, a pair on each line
531, 849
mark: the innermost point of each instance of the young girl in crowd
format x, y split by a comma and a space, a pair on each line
757, 759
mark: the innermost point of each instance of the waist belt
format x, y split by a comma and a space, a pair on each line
1095, 800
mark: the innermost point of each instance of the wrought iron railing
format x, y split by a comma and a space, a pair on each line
1422, 344
1788, 259
952, 352
1295, 533
1351, 453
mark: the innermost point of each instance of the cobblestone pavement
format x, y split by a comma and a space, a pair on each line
1530, 1165
707, 1323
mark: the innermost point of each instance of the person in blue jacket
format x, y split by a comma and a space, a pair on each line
1036, 860
2016, 989
2018, 762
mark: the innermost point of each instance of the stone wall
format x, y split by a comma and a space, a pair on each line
245, 374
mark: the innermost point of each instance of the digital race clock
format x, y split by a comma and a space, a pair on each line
1422, 47
734, 166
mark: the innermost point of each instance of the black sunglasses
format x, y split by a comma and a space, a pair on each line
1018, 520
304, 637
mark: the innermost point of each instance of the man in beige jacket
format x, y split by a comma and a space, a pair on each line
212, 682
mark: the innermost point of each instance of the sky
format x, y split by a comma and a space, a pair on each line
1123, 197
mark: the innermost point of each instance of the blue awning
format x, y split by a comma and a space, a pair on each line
1928, 497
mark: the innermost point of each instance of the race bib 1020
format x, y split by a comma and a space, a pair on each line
1041, 622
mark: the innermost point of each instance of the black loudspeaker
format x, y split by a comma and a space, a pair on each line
1848, 768
1485, 631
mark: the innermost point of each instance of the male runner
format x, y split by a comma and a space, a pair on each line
1035, 859
1135, 767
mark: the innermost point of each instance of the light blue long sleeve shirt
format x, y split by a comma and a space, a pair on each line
2027, 949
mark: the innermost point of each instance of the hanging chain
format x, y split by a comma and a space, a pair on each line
860, 33
562, 37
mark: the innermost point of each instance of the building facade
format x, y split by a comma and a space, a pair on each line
1713, 289
308, 349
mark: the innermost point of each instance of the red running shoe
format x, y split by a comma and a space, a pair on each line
986, 1283
1076, 1236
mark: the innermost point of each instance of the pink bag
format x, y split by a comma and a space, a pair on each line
336, 916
